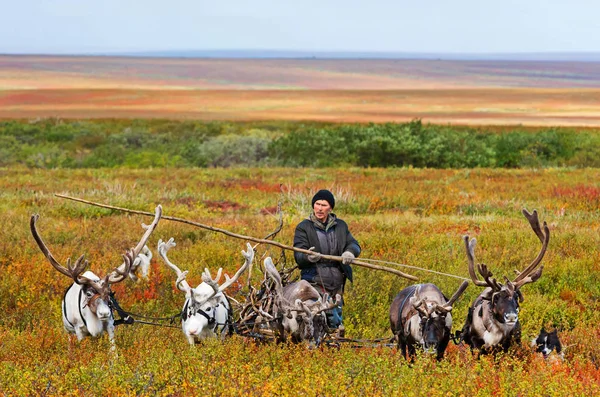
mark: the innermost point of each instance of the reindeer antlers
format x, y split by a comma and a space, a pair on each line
528, 275
74, 271
120, 273
206, 277
181, 282
470, 245
448, 306
70, 271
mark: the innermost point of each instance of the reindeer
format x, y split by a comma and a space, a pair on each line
420, 315
141, 262
87, 306
493, 319
206, 311
299, 308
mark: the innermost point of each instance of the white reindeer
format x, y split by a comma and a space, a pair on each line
142, 263
206, 312
87, 306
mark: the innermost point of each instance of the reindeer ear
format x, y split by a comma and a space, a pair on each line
487, 295
520, 296
304, 307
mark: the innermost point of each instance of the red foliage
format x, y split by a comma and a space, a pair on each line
567, 295
580, 192
246, 185
223, 205
187, 201
257, 184
269, 210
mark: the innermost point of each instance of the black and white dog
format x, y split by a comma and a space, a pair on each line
546, 343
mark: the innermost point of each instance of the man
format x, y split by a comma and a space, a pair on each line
325, 234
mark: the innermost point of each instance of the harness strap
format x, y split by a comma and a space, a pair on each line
229, 316
125, 318
184, 315
205, 315
64, 306
79, 306
212, 319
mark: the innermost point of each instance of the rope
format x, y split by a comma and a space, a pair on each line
378, 340
155, 324
361, 343
171, 319
416, 268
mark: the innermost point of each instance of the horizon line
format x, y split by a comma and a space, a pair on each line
328, 54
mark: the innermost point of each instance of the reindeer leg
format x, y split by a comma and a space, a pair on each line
516, 333
191, 340
412, 352
79, 332
441, 349
402, 347
145, 269
110, 329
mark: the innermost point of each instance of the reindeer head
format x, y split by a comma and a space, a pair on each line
301, 307
436, 321
142, 263
318, 316
96, 290
505, 298
206, 306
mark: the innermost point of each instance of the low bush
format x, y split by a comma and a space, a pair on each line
56, 143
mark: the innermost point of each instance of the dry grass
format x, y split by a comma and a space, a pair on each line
543, 107
491, 93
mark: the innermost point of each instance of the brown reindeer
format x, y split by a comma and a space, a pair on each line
420, 315
299, 308
493, 319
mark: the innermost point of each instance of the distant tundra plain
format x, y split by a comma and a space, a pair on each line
533, 93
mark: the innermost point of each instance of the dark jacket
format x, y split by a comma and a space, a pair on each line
305, 237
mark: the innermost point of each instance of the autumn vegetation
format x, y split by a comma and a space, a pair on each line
410, 215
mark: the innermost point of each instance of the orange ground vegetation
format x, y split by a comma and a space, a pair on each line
527, 93
412, 216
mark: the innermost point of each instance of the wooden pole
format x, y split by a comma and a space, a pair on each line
242, 237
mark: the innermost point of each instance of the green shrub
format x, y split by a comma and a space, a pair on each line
230, 150
50, 143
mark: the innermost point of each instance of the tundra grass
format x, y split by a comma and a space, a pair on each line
412, 216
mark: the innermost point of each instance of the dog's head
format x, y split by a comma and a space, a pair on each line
546, 342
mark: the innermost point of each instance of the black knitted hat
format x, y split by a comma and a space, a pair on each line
324, 195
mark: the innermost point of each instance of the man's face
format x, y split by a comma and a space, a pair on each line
322, 210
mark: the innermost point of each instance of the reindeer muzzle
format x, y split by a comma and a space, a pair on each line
430, 347
511, 318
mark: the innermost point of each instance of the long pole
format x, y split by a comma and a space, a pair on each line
242, 237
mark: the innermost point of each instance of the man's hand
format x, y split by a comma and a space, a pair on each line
347, 257
314, 257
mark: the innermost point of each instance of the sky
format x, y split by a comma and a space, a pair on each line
426, 26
